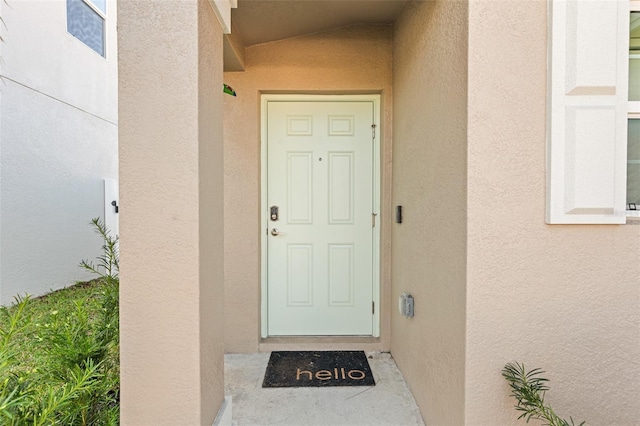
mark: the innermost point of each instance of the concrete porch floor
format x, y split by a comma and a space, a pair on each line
389, 402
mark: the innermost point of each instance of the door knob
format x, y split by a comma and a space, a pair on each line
275, 232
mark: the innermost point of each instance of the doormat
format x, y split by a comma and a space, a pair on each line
317, 369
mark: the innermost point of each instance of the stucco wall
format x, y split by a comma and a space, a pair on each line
211, 211
429, 181
354, 59
58, 141
171, 303
562, 298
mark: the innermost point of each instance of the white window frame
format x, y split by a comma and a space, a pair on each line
97, 10
634, 106
102, 15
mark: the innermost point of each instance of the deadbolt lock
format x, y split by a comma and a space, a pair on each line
274, 213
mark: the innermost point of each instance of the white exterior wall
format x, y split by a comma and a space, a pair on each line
58, 141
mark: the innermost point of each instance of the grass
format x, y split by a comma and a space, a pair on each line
44, 310
59, 357
59, 354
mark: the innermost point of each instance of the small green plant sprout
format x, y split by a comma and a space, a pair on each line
108, 264
529, 388
107, 268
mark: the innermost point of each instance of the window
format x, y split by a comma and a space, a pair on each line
86, 22
633, 141
592, 127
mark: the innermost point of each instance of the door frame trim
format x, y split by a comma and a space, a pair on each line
264, 100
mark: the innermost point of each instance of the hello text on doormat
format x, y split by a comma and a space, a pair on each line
318, 369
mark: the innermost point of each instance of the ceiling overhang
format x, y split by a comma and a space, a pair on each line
263, 21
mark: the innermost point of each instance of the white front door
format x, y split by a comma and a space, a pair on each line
320, 207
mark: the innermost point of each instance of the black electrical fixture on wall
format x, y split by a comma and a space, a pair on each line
398, 214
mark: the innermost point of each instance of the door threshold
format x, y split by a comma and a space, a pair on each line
321, 343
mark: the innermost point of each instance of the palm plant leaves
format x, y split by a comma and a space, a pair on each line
529, 389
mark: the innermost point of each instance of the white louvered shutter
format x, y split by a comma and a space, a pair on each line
587, 111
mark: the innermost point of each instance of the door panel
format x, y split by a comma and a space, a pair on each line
300, 188
320, 176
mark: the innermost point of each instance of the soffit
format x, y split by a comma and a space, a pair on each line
262, 21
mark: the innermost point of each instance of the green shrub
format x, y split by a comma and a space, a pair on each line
61, 366
529, 389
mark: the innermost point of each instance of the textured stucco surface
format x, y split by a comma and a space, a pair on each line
211, 210
170, 64
350, 60
562, 298
58, 141
429, 181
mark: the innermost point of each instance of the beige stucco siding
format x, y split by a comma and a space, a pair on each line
170, 64
562, 298
429, 181
211, 212
350, 60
